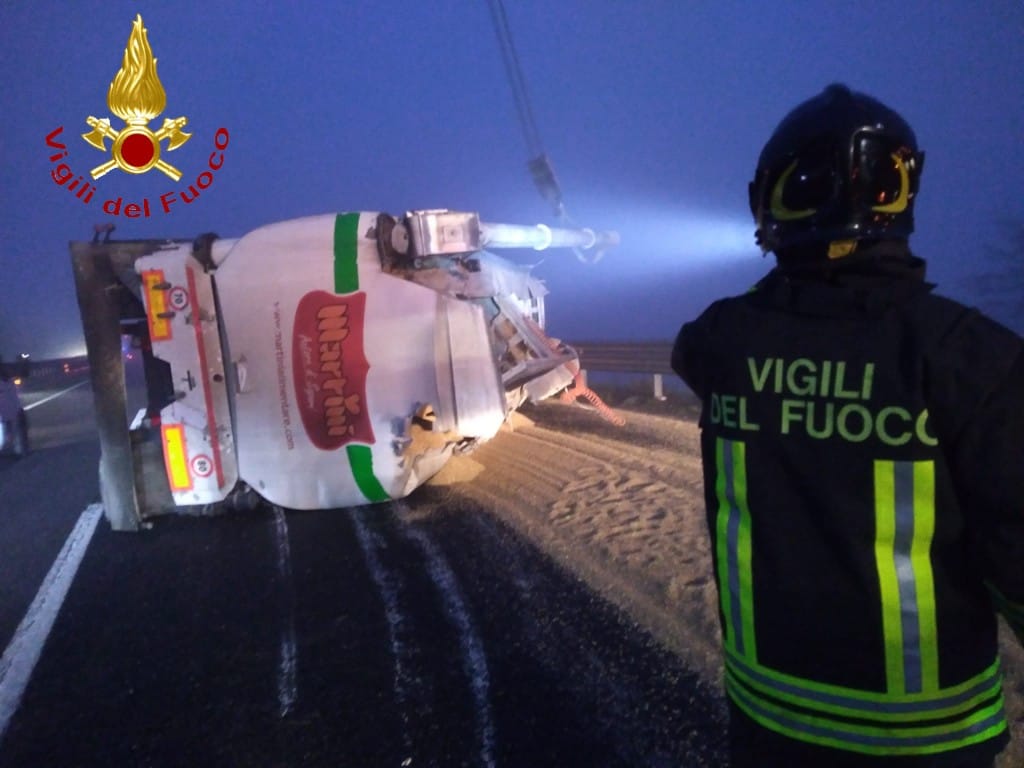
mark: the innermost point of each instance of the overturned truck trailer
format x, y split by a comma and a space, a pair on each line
323, 362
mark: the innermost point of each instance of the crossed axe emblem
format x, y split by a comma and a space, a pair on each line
136, 149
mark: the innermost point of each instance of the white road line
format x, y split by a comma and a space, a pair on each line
473, 656
27, 644
370, 543
55, 395
287, 685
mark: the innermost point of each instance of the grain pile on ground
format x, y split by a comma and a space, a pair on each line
623, 508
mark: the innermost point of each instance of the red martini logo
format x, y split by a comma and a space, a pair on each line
137, 96
330, 369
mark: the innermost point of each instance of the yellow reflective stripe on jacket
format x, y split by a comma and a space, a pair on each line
734, 550
914, 715
861, 704
905, 526
890, 739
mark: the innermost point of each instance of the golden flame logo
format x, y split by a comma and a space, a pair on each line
136, 96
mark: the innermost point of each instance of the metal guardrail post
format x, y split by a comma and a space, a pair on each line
659, 387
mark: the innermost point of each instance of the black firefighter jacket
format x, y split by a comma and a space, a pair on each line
863, 444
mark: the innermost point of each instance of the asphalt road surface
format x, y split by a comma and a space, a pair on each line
418, 633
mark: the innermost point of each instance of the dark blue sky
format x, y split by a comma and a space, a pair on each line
653, 114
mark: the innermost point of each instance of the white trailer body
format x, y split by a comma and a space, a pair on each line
323, 362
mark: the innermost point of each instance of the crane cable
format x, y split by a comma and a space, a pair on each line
539, 164
515, 79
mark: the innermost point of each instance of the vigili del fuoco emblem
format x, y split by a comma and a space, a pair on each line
136, 96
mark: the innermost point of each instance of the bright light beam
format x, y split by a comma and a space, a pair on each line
687, 239
662, 241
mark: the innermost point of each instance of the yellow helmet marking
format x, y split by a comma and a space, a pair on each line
778, 208
839, 249
900, 203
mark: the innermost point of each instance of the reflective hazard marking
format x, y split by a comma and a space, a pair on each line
175, 457
156, 305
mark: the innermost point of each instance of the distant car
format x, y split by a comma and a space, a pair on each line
13, 420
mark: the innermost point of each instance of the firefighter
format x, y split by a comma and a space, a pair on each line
863, 452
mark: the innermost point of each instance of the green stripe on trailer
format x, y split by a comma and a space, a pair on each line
346, 280
346, 268
361, 460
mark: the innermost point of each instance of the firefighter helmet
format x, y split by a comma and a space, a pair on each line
840, 168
